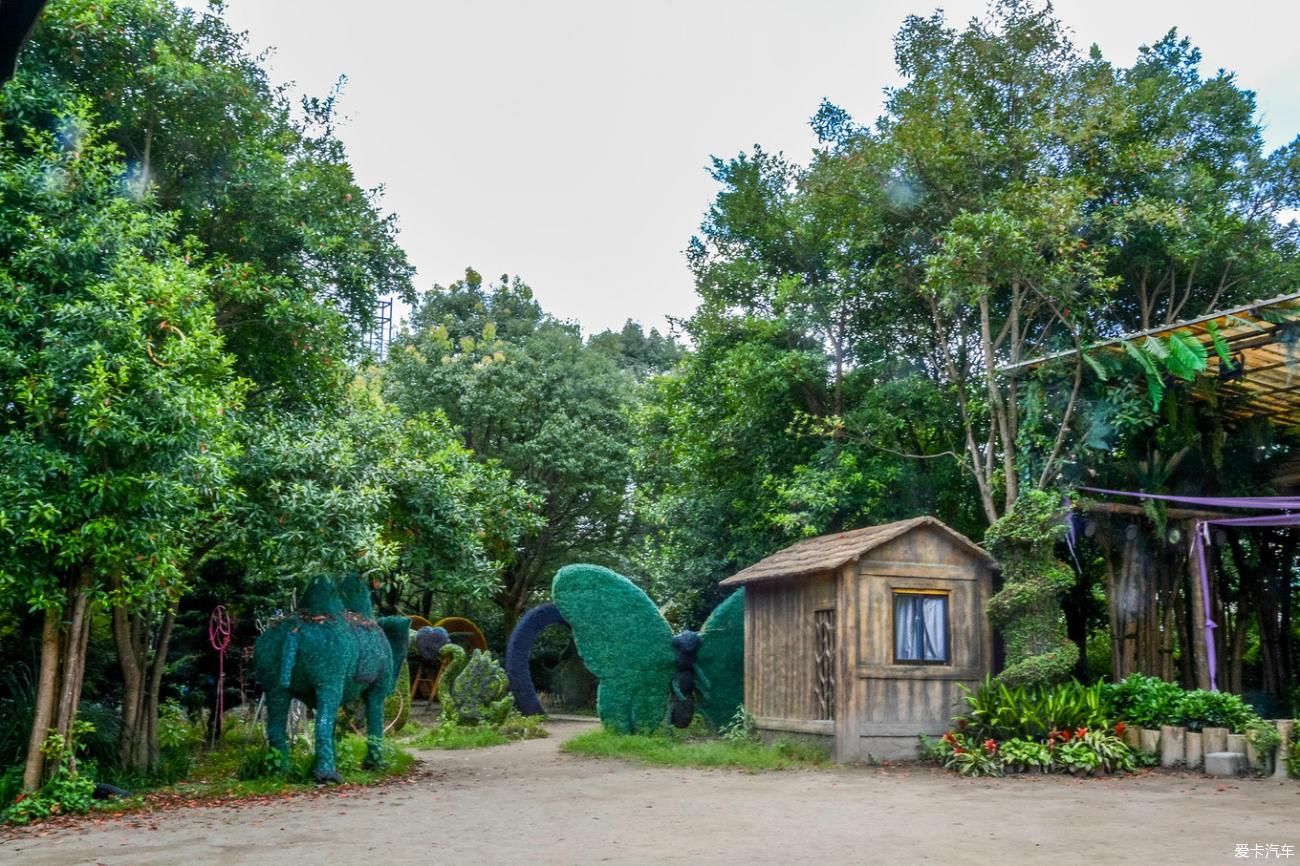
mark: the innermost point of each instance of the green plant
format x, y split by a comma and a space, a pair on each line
743, 727
1263, 736
971, 757
1077, 756
1292, 753
1023, 755
65, 791
1004, 712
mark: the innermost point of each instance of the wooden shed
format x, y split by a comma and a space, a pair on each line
863, 637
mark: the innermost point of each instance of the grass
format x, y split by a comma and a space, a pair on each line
449, 735
675, 750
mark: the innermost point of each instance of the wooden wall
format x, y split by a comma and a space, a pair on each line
880, 706
892, 703
780, 648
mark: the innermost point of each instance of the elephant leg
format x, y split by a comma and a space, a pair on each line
328, 699
277, 722
374, 728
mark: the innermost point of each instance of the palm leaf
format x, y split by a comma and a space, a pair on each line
1155, 386
1188, 353
1220, 345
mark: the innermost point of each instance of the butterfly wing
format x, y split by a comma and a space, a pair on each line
622, 639
722, 660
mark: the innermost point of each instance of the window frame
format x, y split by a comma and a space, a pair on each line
946, 595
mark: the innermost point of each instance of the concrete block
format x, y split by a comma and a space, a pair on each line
1237, 743
1284, 727
1224, 763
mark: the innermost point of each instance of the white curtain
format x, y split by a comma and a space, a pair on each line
934, 613
920, 627
906, 645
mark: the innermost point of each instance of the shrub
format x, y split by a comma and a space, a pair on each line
1150, 702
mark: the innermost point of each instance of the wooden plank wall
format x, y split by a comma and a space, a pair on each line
903, 700
780, 645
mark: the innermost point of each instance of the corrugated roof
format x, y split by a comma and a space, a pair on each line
1263, 339
827, 552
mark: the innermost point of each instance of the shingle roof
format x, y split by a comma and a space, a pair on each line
827, 552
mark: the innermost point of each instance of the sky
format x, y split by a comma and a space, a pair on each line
568, 142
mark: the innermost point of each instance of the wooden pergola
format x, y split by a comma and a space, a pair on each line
1263, 339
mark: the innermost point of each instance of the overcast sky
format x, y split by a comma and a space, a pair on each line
568, 142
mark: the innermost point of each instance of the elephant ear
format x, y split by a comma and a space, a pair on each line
622, 639
722, 661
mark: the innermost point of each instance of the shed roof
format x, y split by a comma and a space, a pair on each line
827, 552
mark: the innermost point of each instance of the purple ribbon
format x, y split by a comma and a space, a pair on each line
1201, 537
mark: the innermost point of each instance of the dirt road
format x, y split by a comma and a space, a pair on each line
528, 803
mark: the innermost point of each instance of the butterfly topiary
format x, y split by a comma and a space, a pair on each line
645, 671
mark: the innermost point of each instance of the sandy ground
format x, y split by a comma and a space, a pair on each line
528, 803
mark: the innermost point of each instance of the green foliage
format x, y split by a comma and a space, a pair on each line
674, 750
1027, 608
478, 692
1150, 702
454, 735
528, 396
1021, 755
742, 728
1002, 712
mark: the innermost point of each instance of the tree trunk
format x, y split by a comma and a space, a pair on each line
46, 687
142, 671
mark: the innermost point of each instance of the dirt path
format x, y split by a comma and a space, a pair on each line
528, 803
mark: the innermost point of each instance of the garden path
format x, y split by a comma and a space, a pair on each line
529, 803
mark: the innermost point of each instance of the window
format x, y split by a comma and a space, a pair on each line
921, 627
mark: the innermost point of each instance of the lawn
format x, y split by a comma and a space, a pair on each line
675, 750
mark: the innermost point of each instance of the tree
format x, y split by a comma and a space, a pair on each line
296, 254
527, 395
115, 390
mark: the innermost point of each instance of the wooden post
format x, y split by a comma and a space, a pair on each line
1285, 727
1195, 752
1214, 740
1196, 598
1173, 751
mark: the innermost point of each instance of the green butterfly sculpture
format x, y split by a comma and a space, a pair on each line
643, 668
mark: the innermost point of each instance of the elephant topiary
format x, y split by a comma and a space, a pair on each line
328, 654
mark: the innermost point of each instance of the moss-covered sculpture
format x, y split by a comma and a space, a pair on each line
474, 691
327, 654
645, 671
520, 646
1027, 609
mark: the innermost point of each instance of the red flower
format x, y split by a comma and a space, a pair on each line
1120, 728
961, 723
1081, 733
990, 745
958, 750
950, 739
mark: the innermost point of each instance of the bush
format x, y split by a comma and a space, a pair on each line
1150, 702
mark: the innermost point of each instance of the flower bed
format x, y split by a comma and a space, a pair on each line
1079, 729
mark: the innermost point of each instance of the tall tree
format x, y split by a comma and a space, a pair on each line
526, 394
114, 391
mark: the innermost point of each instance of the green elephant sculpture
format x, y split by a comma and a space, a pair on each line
327, 654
